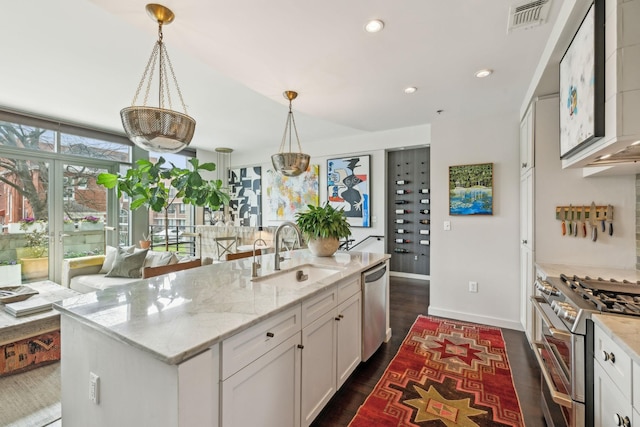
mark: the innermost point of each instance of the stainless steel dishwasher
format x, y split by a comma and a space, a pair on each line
374, 308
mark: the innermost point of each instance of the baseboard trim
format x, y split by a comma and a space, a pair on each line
483, 320
409, 275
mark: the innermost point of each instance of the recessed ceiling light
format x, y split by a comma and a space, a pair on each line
410, 89
483, 73
374, 26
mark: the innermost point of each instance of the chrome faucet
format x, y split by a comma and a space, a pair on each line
256, 265
276, 257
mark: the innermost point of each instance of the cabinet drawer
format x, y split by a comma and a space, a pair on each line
316, 306
614, 361
347, 288
245, 347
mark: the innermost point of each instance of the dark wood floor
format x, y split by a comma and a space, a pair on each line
408, 298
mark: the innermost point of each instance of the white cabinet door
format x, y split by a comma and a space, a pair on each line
318, 365
527, 209
527, 140
611, 408
266, 392
526, 290
349, 337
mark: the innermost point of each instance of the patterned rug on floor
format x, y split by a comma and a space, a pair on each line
446, 373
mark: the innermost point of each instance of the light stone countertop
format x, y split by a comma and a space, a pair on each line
178, 315
624, 330
554, 270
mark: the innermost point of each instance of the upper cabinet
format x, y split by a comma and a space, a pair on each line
526, 141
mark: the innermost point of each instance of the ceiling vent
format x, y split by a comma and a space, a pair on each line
528, 14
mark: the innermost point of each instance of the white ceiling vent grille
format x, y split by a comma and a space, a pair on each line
528, 14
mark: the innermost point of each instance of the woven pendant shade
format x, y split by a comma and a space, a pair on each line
157, 128
290, 163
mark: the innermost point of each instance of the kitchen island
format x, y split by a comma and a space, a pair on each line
188, 348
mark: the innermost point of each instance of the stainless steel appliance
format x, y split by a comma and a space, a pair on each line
374, 308
565, 305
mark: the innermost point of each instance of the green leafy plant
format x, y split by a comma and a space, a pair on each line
150, 185
37, 242
323, 221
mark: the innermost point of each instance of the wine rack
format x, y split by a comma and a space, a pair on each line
409, 210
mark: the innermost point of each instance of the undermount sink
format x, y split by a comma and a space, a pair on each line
297, 276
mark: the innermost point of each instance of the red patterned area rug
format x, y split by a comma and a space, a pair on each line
446, 373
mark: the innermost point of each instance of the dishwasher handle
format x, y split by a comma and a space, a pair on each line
375, 275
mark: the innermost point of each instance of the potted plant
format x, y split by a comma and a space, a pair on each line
145, 243
323, 226
68, 224
150, 185
91, 222
34, 256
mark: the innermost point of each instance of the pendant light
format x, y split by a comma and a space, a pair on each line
158, 129
289, 163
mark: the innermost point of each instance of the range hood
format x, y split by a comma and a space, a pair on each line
629, 154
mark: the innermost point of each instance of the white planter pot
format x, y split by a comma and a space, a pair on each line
10, 275
14, 227
69, 227
91, 226
323, 246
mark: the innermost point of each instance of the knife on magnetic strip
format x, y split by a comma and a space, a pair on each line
610, 219
593, 222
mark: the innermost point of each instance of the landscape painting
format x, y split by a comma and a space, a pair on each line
471, 189
348, 188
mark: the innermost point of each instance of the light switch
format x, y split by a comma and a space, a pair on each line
447, 225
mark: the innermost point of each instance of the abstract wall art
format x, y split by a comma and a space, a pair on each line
286, 195
348, 181
582, 85
471, 189
245, 188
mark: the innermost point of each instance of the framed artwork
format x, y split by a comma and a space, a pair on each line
245, 188
582, 84
286, 195
348, 188
471, 189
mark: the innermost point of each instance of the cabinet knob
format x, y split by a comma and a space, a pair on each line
300, 346
339, 317
524, 241
609, 356
270, 334
619, 420
524, 165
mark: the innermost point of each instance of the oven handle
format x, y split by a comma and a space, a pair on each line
560, 398
555, 332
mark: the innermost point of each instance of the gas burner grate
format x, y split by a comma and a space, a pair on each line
613, 296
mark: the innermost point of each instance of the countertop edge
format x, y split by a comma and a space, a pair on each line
182, 356
623, 330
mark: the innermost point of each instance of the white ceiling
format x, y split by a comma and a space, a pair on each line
80, 61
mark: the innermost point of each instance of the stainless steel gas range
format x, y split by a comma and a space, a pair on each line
564, 347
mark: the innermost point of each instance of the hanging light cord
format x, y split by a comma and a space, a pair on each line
159, 50
291, 123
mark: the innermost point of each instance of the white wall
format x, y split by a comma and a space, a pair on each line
561, 187
483, 249
374, 143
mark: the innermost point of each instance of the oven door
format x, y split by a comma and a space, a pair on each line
555, 353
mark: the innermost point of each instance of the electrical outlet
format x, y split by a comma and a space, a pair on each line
94, 388
473, 286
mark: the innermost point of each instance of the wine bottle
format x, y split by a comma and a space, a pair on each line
401, 202
424, 211
424, 231
401, 182
402, 211
403, 191
424, 242
403, 241
424, 201
424, 221
424, 191
401, 221
401, 231
400, 250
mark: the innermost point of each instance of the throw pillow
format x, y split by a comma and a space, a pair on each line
128, 264
110, 256
157, 259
